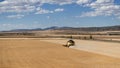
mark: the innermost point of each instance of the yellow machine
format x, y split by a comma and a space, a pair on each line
70, 43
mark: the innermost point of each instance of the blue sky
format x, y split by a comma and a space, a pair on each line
29, 14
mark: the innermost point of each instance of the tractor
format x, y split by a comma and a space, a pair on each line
70, 43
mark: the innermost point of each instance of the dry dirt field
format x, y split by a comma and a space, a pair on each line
100, 47
39, 53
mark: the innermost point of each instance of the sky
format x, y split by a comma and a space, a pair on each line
30, 14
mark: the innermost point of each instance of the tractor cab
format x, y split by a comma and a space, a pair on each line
70, 43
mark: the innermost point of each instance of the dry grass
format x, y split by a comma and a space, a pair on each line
35, 53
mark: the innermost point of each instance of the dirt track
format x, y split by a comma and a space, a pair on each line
26, 53
105, 48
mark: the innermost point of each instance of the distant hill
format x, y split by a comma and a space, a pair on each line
61, 31
51, 28
106, 28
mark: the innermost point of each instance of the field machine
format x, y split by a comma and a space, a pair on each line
70, 43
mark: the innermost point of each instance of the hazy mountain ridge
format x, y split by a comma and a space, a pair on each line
61, 31
106, 28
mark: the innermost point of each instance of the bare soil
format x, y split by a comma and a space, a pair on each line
36, 53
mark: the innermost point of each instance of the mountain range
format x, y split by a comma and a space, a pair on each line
106, 28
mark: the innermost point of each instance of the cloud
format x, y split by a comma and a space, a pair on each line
20, 6
44, 11
28, 6
99, 7
59, 10
102, 8
83, 1
15, 16
16, 8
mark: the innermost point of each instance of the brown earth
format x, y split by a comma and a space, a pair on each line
36, 53
100, 47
